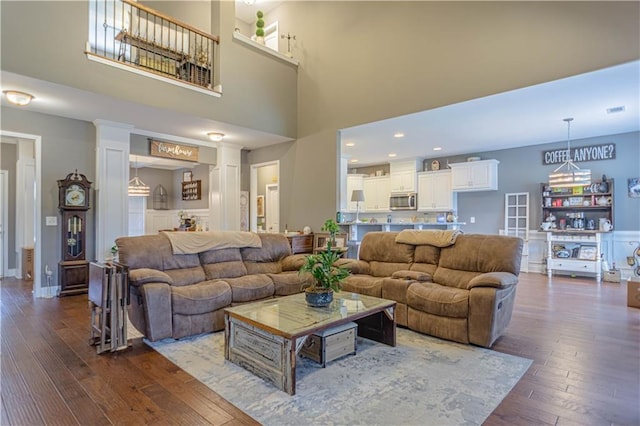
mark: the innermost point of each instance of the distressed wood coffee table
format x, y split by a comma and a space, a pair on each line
265, 337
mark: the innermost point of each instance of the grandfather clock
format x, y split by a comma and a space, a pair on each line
73, 201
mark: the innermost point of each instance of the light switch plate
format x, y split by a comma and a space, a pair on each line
52, 220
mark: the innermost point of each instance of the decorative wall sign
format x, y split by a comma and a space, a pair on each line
605, 151
173, 150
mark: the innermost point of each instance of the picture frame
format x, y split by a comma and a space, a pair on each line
320, 240
588, 253
260, 205
187, 176
633, 186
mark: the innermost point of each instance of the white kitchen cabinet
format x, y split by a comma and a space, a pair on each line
403, 175
434, 191
474, 176
376, 194
354, 181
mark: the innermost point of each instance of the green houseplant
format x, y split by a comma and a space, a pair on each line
325, 276
260, 27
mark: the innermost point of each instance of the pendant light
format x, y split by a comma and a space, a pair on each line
572, 175
138, 188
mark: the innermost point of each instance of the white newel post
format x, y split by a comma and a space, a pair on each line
224, 193
111, 201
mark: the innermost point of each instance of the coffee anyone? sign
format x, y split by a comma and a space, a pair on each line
173, 150
605, 151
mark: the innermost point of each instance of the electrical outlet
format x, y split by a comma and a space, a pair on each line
472, 219
52, 221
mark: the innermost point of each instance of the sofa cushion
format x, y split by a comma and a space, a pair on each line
382, 247
200, 298
287, 283
438, 300
483, 253
145, 275
145, 251
250, 287
274, 248
363, 284
293, 262
426, 254
386, 269
186, 276
224, 263
411, 275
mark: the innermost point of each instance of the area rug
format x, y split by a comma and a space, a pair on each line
422, 381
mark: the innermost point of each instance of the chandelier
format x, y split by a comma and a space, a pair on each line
137, 188
569, 174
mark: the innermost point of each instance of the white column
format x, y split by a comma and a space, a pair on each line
111, 202
224, 193
25, 200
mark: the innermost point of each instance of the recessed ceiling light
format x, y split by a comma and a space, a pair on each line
349, 144
398, 135
393, 154
615, 110
18, 98
354, 160
437, 148
215, 136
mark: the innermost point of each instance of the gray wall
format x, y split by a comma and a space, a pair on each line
384, 59
521, 170
67, 145
58, 33
8, 159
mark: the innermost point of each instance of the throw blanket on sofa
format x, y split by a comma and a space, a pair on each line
196, 242
435, 237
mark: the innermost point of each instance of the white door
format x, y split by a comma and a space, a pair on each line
272, 208
3, 213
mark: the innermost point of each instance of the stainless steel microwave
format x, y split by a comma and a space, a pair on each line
403, 201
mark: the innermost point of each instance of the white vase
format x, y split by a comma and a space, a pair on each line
260, 40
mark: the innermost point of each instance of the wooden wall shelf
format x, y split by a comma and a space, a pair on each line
192, 190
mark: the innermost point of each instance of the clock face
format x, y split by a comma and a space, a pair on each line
74, 196
435, 165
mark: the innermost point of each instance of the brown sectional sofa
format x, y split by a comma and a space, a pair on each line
462, 292
178, 295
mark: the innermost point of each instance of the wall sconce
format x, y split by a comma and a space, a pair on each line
215, 136
18, 98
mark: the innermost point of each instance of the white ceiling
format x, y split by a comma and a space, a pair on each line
528, 116
522, 117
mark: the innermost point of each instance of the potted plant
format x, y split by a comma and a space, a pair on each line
260, 27
325, 276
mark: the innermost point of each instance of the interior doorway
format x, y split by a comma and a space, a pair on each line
272, 200
261, 175
28, 207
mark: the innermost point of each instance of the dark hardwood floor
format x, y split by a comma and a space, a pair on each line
583, 339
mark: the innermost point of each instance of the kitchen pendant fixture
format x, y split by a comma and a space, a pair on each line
569, 174
137, 188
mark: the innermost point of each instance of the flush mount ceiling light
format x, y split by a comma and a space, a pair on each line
18, 98
355, 160
215, 136
137, 188
398, 135
437, 148
572, 175
393, 155
349, 144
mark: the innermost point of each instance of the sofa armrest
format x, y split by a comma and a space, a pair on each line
138, 277
293, 262
412, 275
493, 279
354, 266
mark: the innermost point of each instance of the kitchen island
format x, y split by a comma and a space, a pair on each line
356, 231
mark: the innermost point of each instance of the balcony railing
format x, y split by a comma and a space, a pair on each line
138, 36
